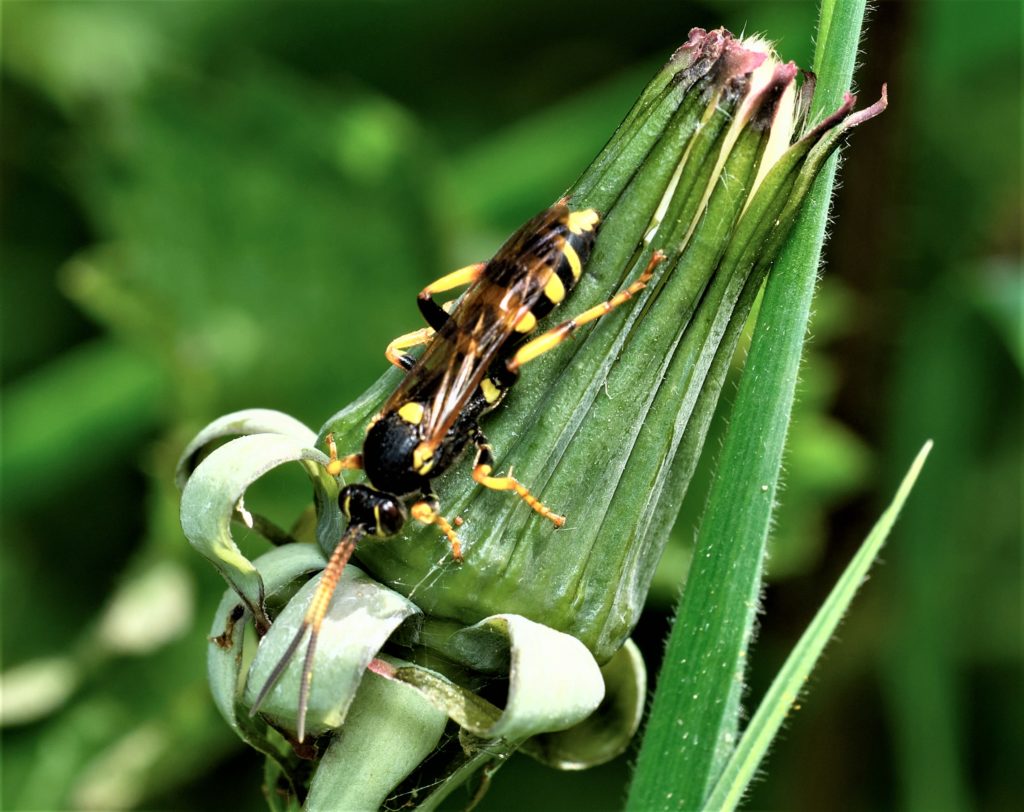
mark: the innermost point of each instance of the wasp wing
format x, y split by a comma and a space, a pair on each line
460, 353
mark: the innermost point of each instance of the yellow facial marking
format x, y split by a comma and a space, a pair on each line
526, 323
422, 459
554, 289
376, 516
491, 392
585, 220
411, 412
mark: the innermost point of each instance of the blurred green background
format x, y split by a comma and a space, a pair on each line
218, 205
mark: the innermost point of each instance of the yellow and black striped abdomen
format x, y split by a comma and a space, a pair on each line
577, 235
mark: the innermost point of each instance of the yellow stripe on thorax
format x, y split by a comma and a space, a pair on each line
411, 412
491, 392
422, 459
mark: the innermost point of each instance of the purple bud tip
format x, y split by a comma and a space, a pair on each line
870, 112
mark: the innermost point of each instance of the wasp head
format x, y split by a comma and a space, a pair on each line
382, 514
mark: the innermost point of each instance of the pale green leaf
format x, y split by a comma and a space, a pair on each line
389, 730
229, 650
246, 421
362, 615
212, 497
608, 731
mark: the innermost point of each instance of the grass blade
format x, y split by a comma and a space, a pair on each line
742, 765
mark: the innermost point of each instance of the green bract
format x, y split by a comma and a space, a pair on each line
606, 430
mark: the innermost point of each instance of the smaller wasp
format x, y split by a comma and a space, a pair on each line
472, 358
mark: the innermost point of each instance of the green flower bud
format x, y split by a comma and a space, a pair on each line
607, 428
709, 168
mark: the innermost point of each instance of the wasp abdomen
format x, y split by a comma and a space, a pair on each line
577, 239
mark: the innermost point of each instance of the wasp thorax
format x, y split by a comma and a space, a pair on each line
388, 453
382, 514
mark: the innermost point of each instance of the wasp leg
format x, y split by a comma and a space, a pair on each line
350, 462
434, 314
414, 339
484, 464
313, 620
426, 511
556, 335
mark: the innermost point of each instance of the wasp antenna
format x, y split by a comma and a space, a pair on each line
282, 664
316, 612
307, 682
312, 622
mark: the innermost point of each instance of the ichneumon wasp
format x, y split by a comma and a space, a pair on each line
473, 355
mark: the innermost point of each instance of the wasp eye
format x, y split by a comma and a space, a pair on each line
382, 514
391, 517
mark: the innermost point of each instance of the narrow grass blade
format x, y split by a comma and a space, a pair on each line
757, 738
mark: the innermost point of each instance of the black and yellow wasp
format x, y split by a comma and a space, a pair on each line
473, 356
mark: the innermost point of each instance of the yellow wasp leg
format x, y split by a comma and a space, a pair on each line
413, 339
427, 513
350, 462
556, 335
482, 468
434, 315
455, 279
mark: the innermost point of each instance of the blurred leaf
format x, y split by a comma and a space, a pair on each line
153, 606
1000, 295
36, 688
77, 53
92, 404
501, 178
212, 288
